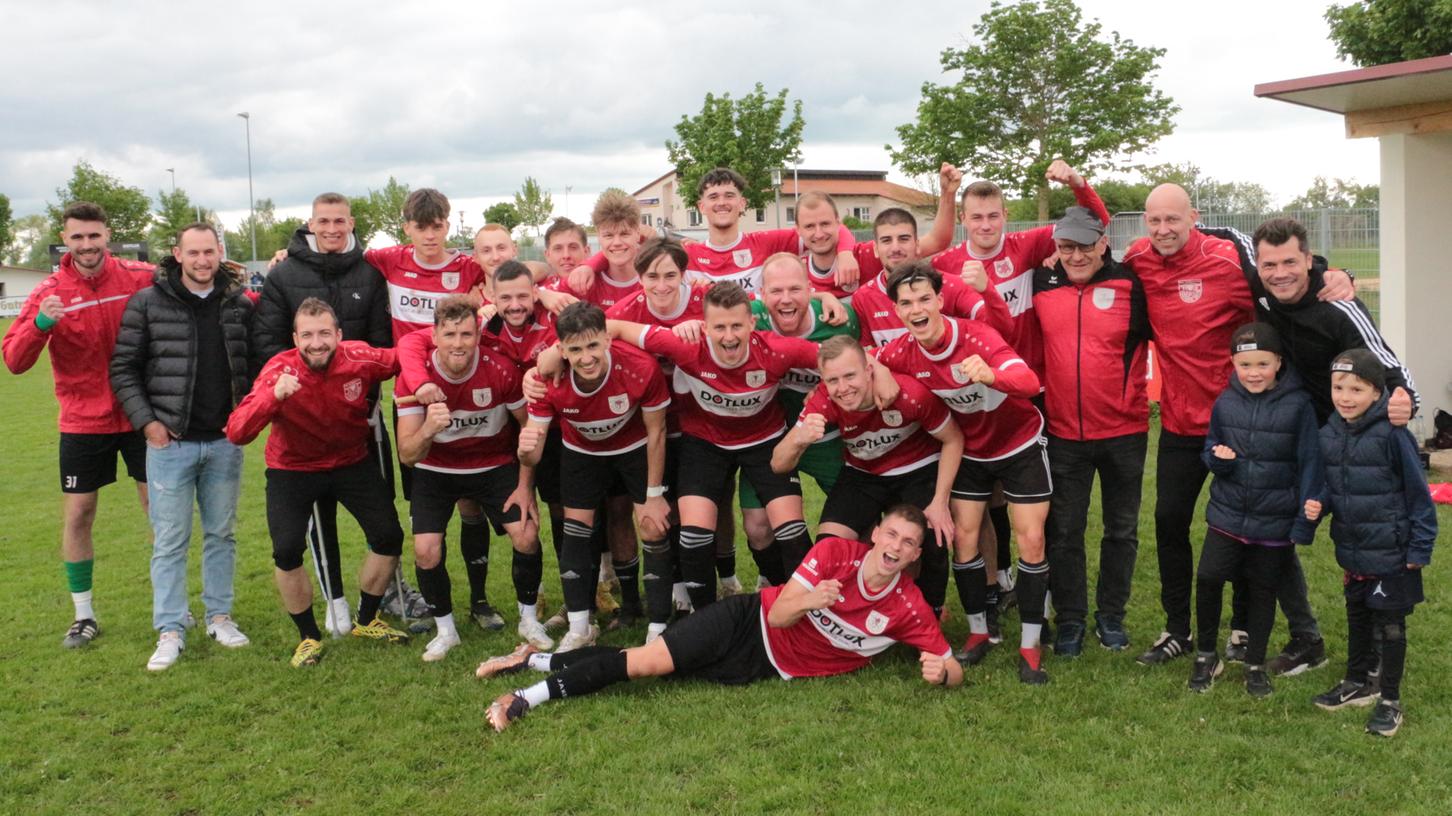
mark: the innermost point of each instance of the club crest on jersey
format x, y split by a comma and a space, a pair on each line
756, 379
619, 403
450, 280
959, 375
353, 389
1191, 290
876, 622
893, 418
1104, 297
741, 257
1003, 268
483, 396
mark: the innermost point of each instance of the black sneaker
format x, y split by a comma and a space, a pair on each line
1386, 718
81, 633
625, 617
1345, 694
995, 631
1167, 648
1029, 675
1070, 640
1236, 646
484, 615
1207, 667
1301, 654
1257, 683
974, 650
1112, 634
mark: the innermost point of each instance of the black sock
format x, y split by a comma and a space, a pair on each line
474, 549
768, 563
368, 607
307, 625
795, 542
527, 570
698, 553
1033, 586
932, 580
578, 567
559, 661
629, 574
1003, 530
434, 584
557, 532
726, 563
972, 592
588, 676
659, 568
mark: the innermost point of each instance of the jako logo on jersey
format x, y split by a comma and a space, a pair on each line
619, 403
483, 396
1191, 290
1002, 269
450, 280
756, 379
1103, 297
353, 389
741, 257
893, 418
876, 622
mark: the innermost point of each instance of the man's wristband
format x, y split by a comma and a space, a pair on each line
44, 322
655, 491
944, 681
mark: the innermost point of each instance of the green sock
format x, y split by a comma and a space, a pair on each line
78, 574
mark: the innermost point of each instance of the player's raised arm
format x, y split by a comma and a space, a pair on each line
940, 237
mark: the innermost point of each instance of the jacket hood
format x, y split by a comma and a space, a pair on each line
304, 247
230, 275
1288, 381
1374, 414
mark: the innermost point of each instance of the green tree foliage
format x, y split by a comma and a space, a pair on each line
751, 135
1375, 32
387, 208
1336, 193
272, 234
7, 235
174, 211
30, 247
533, 204
128, 208
366, 222
1039, 84
1209, 194
504, 214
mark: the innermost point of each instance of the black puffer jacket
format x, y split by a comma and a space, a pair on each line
153, 367
343, 280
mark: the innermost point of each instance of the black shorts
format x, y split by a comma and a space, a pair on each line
721, 643
360, 488
1397, 592
706, 470
587, 480
88, 461
1025, 476
859, 498
548, 475
435, 494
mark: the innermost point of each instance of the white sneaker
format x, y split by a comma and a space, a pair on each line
339, 619
534, 634
222, 629
168, 648
440, 646
574, 640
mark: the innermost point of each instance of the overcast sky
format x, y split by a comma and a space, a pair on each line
473, 97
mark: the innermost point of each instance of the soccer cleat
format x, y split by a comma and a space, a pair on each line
558, 620
1345, 694
498, 665
168, 648
505, 710
1007, 599
1257, 684
1206, 668
484, 615
409, 604
627, 616
81, 633
730, 585
1167, 648
1030, 667
995, 631
1111, 632
1385, 719
975, 648
1300, 655
575, 640
605, 603
307, 653
534, 633
379, 630
440, 646
1070, 640
1236, 646
223, 629
338, 620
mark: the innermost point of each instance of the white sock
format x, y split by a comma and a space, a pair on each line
1005, 581
535, 694
655, 628
731, 581
1029, 636
539, 661
445, 624
679, 594
978, 624
1048, 604
528, 613
82, 600
579, 622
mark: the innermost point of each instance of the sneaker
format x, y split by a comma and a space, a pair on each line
515, 661
338, 621
1345, 694
1111, 632
1257, 684
1300, 655
1203, 673
573, 640
440, 646
1167, 648
81, 633
307, 653
1386, 718
975, 648
484, 615
1236, 646
1070, 640
605, 603
995, 631
505, 710
223, 629
168, 648
558, 620
1027, 674
379, 630
410, 604
534, 634
730, 585
627, 616
1007, 599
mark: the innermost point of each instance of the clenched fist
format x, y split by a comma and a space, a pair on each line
436, 418
286, 386
814, 427
1060, 171
975, 275
51, 307
530, 437
976, 370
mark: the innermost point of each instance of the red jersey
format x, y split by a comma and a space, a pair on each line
1010, 268
521, 345
741, 260
877, 314
604, 290
480, 435
1197, 298
862, 624
730, 407
324, 426
81, 342
637, 308
415, 288
1095, 339
607, 420
887, 443
825, 280
997, 422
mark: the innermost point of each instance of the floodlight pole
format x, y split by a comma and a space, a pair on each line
251, 211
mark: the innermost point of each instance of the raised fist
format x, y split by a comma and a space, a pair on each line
286, 386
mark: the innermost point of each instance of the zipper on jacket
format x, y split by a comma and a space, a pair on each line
1079, 358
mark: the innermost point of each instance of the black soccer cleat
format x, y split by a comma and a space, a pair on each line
81, 633
1030, 668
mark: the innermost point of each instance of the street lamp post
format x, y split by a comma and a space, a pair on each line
776, 186
568, 188
172, 170
251, 211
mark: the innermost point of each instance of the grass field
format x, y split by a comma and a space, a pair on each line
374, 730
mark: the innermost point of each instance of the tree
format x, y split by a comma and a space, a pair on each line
366, 222
7, 236
174, 211
1208, 194
533, 204
504, 214
272, 234
387, 206
752, 135
1039, 85
1336, 194
30, 247
128, 208
1375, 32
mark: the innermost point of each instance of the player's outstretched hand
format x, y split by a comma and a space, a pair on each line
286, 386
689, 331
846, 271
1313, 510
51, 307
833, 312
975, 369
533, 386
814, 427
1222, 452
580, 279
555, 302
486, 312
428, 394
277, 258
935, 668
975, 275
1336, 285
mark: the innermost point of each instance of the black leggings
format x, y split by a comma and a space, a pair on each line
1260, 570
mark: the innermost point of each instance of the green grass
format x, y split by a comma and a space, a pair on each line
374, 730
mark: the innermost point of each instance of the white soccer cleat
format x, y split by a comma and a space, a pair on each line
168, 648
575, 640
439, 647
339, 619
534, 634
223, 629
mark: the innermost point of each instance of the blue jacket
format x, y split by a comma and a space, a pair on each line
1261, 493
1382, 515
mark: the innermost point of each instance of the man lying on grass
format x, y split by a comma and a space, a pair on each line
844, 605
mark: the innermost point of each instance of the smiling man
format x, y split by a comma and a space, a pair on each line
845, 604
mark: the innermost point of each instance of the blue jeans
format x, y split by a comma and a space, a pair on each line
211, 474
